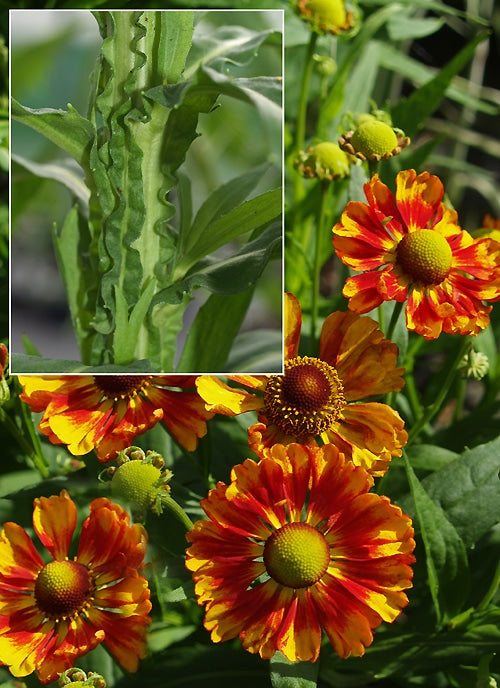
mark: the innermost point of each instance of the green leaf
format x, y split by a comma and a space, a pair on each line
247, 217
429, 457
230, 275
211, 335
198, 665
60, 171
11, 483
224, 199
418, 73
161, 638
66, 128
411, 113
68, 244
460, 486
404, 25
225, 44
446, 559
260, 351
127, 328
287, 674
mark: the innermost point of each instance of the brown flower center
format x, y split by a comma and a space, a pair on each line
425, 255
63, 588
307, 399
296, 555
120, 386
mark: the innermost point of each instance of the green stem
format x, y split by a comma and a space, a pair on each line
324, 188
431, 410
398, 307
33, 450
459, 405
169, 504
300, 133
491, 592
372, 167
381, 318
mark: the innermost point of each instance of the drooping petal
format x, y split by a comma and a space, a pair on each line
221, 398
375, 433
184, 414
125, 544
365, 361
20, 563
54, 520
362, 292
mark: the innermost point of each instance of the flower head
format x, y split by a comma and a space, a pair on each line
296, 544
324, 160
410, 248
373, 140
106, 412
326, 16
314, 399
52, 613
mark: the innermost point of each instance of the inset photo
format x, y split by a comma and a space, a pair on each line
146, 191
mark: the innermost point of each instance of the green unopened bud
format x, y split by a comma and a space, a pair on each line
474, 365
325, 65
140, 483
373, 140
74, 678
324, 160
136, 482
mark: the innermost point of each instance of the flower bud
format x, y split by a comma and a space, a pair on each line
373, 140
474, 365
326, 16
324, 160
141, 483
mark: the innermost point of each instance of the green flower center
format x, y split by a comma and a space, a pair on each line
307, 399
425, 255
326, 161
136, 483
296, 555
63, 588
120, 386
373, 137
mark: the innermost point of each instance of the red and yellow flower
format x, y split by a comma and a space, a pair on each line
296, 544
52, 613
317, 398
409, 247
106, 412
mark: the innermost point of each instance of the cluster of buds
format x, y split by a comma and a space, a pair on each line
140, 479
76, 677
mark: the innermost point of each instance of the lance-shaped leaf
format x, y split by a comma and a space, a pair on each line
230, 275
66, 128
446, 559
250, 215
